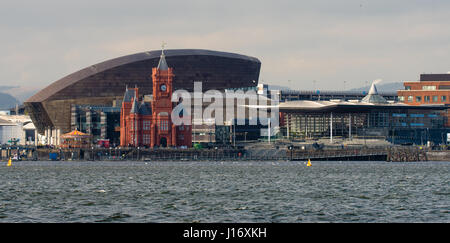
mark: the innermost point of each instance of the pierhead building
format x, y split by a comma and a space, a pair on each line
149, 124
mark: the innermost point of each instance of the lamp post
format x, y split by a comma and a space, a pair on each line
393, 136
364, 135
290, 147
421, 137
350, 126
234, 134
331, 128
287, 125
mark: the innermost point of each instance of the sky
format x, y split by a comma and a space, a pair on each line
332, 45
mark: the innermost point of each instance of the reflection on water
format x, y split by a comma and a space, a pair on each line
45, 191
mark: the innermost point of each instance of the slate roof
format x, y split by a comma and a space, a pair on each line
145, 109
129, 94
162, 65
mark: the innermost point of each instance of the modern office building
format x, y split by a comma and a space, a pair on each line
372, 117
102, 122
430, 89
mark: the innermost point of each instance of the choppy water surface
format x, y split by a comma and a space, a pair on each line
45, 191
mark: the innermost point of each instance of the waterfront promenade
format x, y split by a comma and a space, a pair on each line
242, 152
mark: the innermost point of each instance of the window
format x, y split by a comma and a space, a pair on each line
443, 98
147, 125
146, 139
379, 119
429, 87
408, 87
164, 125
418, 98
435, 98
426, 98
410, 98
401, 98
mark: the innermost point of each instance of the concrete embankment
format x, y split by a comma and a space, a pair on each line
438, 155
263, 153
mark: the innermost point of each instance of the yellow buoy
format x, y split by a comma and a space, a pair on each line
9, 162
309, 163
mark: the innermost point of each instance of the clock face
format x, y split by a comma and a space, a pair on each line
163, 87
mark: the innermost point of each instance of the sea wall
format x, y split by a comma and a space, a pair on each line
438, 155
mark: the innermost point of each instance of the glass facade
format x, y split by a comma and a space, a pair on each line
103, 122
375, 123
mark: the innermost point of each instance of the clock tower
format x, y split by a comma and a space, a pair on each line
163, 131
150, 125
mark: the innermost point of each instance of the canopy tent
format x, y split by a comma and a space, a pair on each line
76, 139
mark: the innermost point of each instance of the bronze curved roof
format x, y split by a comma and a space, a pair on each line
95, 69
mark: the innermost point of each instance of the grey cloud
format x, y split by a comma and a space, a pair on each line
328, 41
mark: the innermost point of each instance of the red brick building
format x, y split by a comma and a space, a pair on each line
149, 123
431, 89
